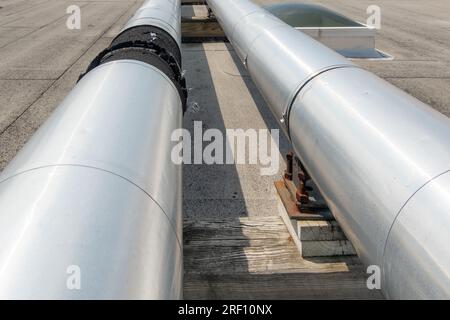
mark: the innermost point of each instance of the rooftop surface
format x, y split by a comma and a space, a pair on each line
417, 34
41, 60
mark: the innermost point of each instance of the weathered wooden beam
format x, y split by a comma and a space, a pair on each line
327, 248
319, 230
193, 2
255, 258
201, 29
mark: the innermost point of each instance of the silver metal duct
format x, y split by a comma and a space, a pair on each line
90, 208
380, 157
165, 14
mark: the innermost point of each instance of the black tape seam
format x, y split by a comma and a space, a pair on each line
173, 69
152, 34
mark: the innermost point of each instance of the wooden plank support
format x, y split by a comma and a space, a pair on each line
323, 239
319, 237
201, 29
193, 2
327, 248
255, 258
316, 230
200, 25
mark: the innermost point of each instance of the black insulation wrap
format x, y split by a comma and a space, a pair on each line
151, 34
150, 45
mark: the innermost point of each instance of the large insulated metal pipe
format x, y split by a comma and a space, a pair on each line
91, 206
380, 157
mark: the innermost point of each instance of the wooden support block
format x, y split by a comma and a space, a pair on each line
192, 2
201, 29
323, 238
319, 230
327, 248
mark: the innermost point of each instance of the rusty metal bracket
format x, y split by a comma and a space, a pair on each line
296, 198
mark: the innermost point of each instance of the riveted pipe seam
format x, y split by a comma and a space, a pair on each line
261, 32
296, 92
395, 221
61, 165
